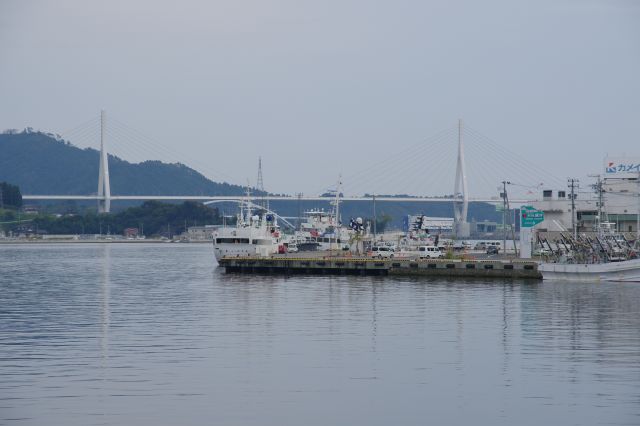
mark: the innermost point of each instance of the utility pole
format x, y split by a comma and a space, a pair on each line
573, 184
375, 219
299, 211
598, 188
505, 207
504, 215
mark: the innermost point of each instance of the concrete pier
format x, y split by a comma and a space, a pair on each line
368, 266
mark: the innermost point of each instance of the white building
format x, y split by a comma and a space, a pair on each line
201, 233
620, 201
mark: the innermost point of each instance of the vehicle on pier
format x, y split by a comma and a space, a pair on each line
430, 252
382, 252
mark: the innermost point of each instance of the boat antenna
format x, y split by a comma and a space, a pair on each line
248, 203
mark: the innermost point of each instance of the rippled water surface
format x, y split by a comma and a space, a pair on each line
124, 334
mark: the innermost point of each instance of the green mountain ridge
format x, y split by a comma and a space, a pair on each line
39, 163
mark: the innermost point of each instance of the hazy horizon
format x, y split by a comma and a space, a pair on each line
319, 90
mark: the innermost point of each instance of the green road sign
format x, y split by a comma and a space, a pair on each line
530, 217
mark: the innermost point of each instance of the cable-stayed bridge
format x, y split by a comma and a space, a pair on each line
408, 170
448, 199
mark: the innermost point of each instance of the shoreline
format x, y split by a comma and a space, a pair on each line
62, 241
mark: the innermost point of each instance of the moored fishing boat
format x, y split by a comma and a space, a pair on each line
607, 256
625, 271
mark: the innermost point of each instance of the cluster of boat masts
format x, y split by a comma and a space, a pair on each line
604, 247
605, 256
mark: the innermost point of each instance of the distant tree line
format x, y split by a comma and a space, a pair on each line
10, 196
154, 217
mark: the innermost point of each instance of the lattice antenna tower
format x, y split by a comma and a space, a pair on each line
260, 184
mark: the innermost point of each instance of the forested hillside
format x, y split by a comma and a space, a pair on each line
41, 164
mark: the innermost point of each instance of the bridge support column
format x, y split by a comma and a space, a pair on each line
104, 185
462, 229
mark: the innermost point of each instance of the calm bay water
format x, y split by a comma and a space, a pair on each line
146, 334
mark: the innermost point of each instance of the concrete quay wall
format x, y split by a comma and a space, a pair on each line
367, 266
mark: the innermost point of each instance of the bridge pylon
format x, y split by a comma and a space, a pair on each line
462, 229
104, 184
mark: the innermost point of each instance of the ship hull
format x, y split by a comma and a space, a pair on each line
625, 271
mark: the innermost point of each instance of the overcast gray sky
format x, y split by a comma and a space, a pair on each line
322, 87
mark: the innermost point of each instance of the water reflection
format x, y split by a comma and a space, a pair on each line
152, 334
106, 313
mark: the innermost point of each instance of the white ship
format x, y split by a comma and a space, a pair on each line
252, 235
322, 231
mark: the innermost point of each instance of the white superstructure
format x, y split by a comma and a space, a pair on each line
253, 235
322, 231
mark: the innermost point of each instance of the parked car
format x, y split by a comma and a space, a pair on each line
430, 252
292, 248
542, 252
461, 245
480, 246
493, 249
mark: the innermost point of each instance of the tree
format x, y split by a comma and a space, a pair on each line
10, 196
153, 215
382, 222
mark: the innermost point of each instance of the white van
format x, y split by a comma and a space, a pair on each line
382, 252
430, 252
